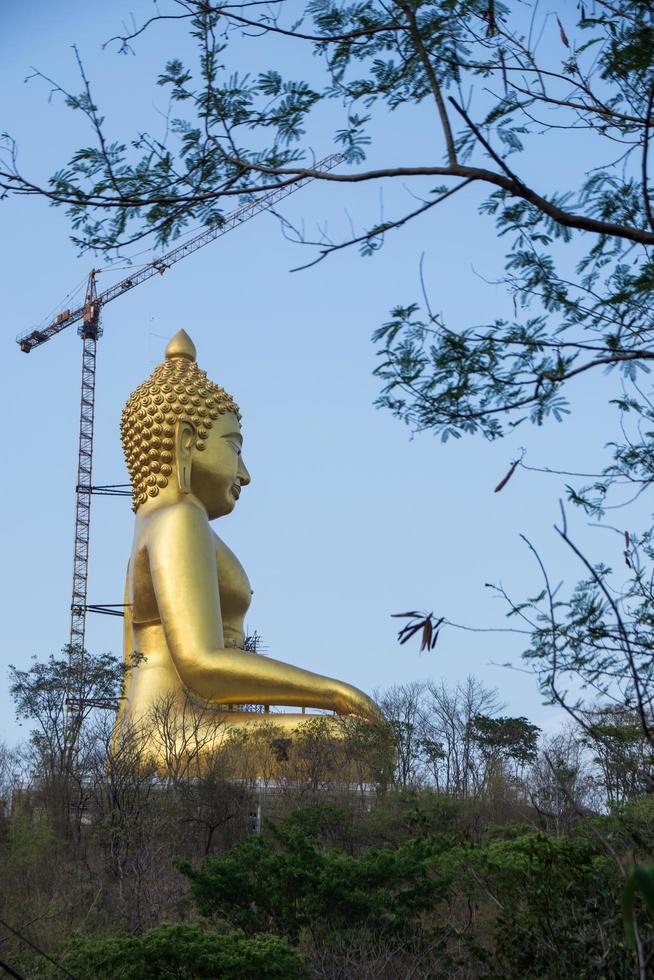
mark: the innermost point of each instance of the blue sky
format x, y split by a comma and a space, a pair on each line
348, 518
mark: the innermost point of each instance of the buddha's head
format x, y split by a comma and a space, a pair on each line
180, 427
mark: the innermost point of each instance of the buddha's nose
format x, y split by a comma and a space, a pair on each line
243, 474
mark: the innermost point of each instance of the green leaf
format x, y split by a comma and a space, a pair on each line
640, 882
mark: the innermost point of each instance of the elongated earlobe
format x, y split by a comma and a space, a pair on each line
184, 437
183, 479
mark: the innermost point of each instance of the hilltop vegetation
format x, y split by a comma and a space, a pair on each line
466, 846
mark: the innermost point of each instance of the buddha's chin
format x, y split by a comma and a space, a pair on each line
222, 509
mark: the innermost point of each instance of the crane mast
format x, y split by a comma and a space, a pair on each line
89, 329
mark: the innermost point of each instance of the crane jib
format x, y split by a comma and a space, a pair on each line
27, 342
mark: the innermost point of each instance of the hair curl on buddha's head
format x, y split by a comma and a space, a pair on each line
176, 391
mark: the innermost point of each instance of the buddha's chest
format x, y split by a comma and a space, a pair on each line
234, 587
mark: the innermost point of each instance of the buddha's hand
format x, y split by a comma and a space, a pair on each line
349, 700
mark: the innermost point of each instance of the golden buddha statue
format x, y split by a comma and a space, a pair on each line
186, 593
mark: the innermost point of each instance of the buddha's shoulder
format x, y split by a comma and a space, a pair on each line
179, 517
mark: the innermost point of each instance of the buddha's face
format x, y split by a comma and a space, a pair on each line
218, 471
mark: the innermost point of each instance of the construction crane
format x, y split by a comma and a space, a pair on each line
87, 317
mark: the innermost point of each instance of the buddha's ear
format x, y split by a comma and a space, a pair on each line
184, 439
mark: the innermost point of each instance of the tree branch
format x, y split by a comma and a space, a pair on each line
266, 25
513, 185
646, 134
414, 30
379, 230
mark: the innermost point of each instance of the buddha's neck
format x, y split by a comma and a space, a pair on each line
169, 496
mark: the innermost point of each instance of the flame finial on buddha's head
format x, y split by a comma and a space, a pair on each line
181, 345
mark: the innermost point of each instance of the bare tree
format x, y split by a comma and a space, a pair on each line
10, 776
182, 733
562, 782
448, 739
403, 706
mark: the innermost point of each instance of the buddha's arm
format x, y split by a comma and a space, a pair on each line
181, 550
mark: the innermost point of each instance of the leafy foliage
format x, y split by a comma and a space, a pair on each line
287, 882
57, 695
640, 881
185, 952
554, 899
515, 738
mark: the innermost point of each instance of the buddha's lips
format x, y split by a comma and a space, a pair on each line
236, 490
